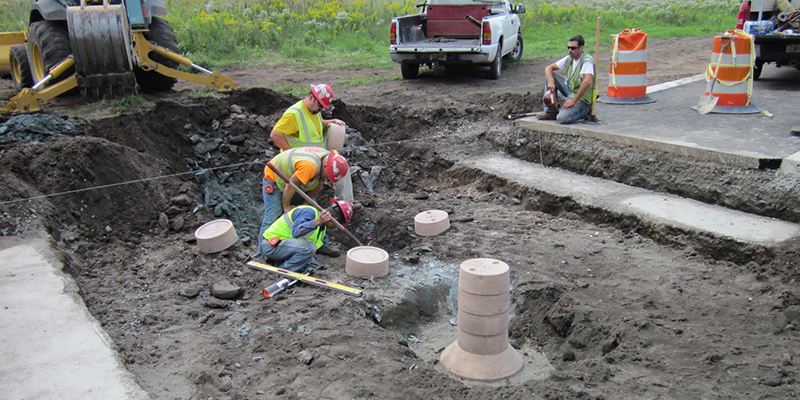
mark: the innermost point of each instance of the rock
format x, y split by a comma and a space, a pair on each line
796, 130
215, 303
236, 109
245, 240
561, 317
421, 196
305, 357
610, 344
237, 140
173, 211
207, 146
190, 292
163, 221
177, 224
262, 121
568, 355
181, 200
225, 290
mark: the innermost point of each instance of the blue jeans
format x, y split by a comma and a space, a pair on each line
567, 115
297, 254
273, 207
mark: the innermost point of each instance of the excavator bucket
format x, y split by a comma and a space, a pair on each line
103, 61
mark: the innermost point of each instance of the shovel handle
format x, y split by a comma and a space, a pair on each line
312, 202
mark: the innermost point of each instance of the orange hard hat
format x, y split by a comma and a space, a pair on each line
324, 94
336, 166
549, 100
346, 208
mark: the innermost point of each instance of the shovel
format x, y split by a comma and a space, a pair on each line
709, 101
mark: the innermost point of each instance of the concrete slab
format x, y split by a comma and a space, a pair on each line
657, 208
50, 346
670, 124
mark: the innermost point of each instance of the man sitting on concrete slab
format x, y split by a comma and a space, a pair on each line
577, 87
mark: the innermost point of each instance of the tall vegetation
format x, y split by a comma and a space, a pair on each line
336, 33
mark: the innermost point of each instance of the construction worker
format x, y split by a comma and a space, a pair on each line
577, 87
307, 168
295, 237
301, 125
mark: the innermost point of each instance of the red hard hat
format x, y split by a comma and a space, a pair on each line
549, 100
346, 208
324, 94
336, 166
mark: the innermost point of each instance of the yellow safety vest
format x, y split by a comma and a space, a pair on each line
574, 78
286, 160
282, 228
309, 127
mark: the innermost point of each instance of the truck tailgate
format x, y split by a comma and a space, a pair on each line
437, 46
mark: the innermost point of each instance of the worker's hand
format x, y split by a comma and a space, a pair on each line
287, 207
570, 103
551, 86
324, 217
338, 122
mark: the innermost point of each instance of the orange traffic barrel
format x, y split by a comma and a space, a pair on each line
730, 73
627, 81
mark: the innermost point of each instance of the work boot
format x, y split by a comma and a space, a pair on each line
547, 115
330, 250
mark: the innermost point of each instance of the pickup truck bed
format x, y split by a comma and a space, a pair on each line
475, 32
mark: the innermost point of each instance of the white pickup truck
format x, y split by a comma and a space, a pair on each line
449, 32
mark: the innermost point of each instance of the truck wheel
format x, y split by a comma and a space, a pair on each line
757, 68
409, 70
516, 54
496, 67
160, 33
48, 44
20, 68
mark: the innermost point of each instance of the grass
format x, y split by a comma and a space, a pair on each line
351, 34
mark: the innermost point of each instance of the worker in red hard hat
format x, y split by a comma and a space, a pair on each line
307, 168
294, 238
302, 125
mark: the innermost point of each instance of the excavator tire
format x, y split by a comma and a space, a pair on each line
48, 44
20, 68
160, 33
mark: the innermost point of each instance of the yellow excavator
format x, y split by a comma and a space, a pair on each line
102, 48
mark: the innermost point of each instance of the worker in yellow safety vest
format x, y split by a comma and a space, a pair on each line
302, 125
294, 238
577, 87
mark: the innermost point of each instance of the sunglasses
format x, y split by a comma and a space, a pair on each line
572, 47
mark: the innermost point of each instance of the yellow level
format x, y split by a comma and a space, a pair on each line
305, 278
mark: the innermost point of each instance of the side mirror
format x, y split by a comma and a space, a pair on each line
519, 9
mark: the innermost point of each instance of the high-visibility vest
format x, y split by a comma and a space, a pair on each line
282, 228
286, 160
574, 79
309, 127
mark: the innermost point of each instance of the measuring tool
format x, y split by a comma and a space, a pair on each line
305, 278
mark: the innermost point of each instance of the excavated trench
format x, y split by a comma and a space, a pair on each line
130, 247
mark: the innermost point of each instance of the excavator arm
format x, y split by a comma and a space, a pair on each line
30, 100
142, 48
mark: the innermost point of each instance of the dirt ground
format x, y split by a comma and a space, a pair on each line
601, 308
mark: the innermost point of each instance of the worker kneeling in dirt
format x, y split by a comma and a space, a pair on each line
306, 168
295, 237
302, 125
